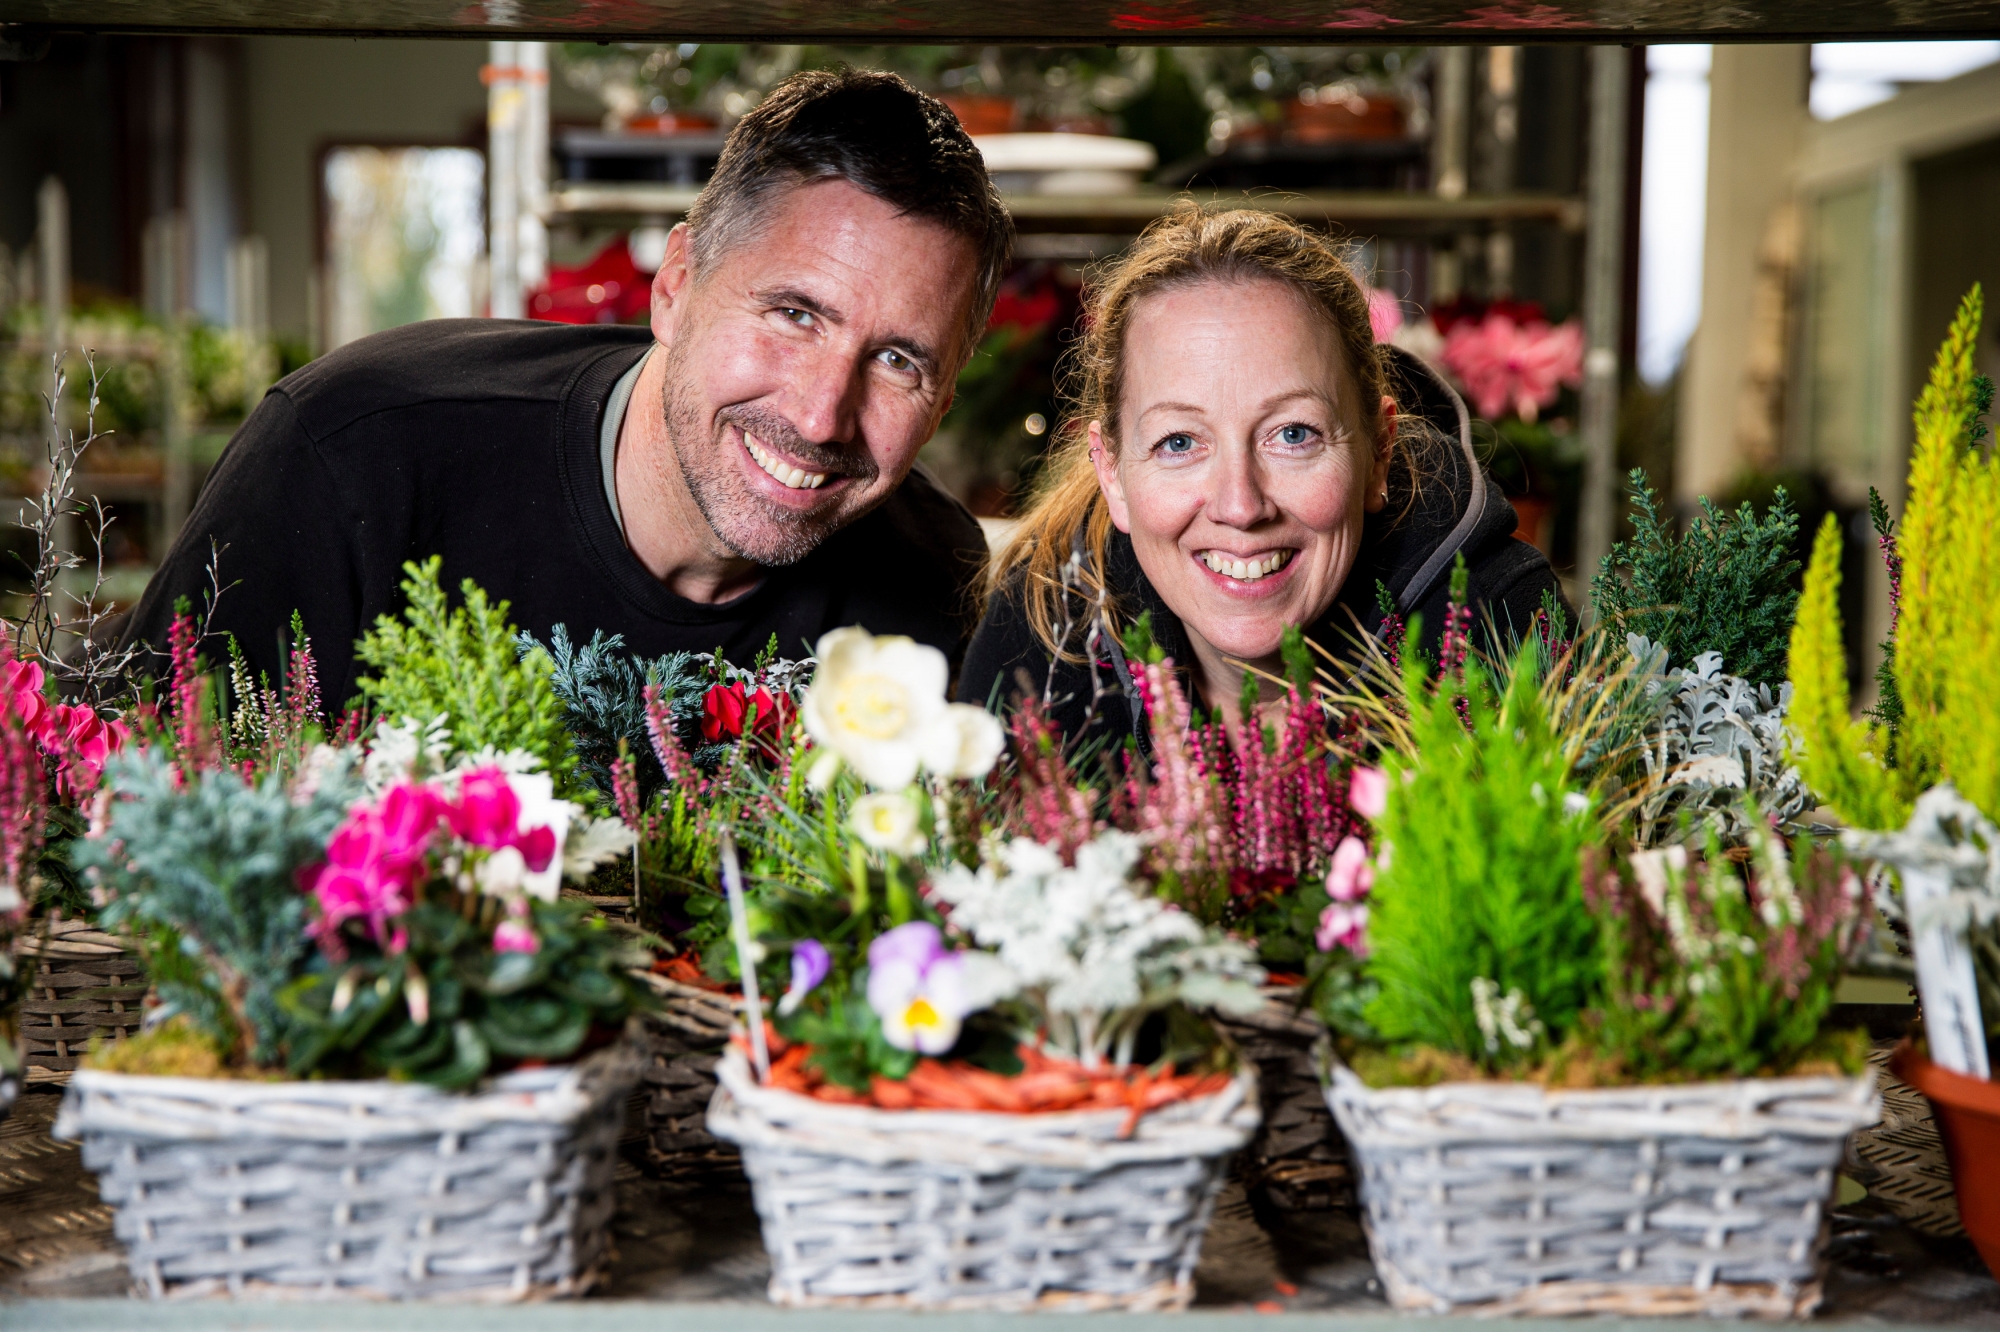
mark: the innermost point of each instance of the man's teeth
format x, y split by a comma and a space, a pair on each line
787, 475
1245, 571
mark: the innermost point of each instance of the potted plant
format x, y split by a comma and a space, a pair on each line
989, 1084
388, 1059
1917, 780
676, 745
1598, 1080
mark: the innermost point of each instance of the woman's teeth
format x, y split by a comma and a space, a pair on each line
790, 476
1245, 571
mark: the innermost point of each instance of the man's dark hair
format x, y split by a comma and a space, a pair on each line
877, 133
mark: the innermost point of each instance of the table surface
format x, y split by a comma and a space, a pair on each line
698, 1249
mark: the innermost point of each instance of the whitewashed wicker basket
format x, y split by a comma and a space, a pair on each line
376, 1189
946, 1210
683, 1044
1703, 1198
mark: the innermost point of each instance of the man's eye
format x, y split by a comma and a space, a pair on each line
1177, 445
1295, 435
803, 318
895, 360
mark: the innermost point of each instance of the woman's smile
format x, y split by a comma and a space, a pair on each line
1254, 574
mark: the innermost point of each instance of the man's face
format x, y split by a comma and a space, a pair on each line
806, 368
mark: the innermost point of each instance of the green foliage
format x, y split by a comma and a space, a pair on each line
1710, 972
480, 1007
462, 664
603, 693
1941, 716
1482, 888
1724, 587
205, 870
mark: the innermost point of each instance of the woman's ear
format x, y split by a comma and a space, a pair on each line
670, 284
1104, 457
1377, 498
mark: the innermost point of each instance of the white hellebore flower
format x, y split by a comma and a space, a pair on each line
965, 742
887, 822
879, 704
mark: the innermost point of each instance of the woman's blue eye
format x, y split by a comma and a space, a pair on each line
1295, 434
1176, 444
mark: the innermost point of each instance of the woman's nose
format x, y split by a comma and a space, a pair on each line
1239, 497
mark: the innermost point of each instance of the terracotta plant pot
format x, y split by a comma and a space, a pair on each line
983, 113
1340, 119
1968, 1119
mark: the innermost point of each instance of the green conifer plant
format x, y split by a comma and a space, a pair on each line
1726, 586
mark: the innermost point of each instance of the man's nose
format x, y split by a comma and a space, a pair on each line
1239, 497
826, 397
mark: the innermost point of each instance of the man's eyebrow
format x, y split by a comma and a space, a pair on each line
791, 298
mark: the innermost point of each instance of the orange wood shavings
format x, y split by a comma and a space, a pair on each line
680, 967
1044, 1085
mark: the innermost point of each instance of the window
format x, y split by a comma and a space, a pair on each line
405, 237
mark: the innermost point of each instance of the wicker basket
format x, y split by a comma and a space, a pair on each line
86, 983
1703, 1198
1298, 1159
929, 1209
382, 1189
683, 1042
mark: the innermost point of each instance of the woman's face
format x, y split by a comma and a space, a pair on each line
1241, 472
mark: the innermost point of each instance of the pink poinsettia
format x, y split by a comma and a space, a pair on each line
1514, 366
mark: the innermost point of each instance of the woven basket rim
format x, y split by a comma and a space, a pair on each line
1813, 1105
99, 1100
749, 1114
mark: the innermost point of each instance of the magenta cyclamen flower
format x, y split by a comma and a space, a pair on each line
487, 812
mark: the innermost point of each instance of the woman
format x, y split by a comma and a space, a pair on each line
1242, 457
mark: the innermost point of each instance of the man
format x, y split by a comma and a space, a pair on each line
744, 470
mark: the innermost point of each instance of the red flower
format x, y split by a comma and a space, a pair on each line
722, 712
726, 708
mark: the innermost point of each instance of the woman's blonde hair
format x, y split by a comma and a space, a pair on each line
1187, 246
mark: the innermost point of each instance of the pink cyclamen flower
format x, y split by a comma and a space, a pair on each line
22, 684
487, 811
1343, 925
1518, 367
1368, 792
1351, 876
513, 935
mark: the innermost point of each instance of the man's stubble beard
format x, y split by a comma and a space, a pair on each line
751, 528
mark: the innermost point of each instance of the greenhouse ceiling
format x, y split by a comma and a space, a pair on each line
1063, 21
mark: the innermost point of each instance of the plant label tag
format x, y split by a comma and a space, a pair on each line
1945, 979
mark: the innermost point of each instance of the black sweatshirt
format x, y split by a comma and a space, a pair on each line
1441, 504
478, 440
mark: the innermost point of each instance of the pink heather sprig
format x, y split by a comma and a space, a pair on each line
681, 770
302, 700
625, 790
1054, 810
